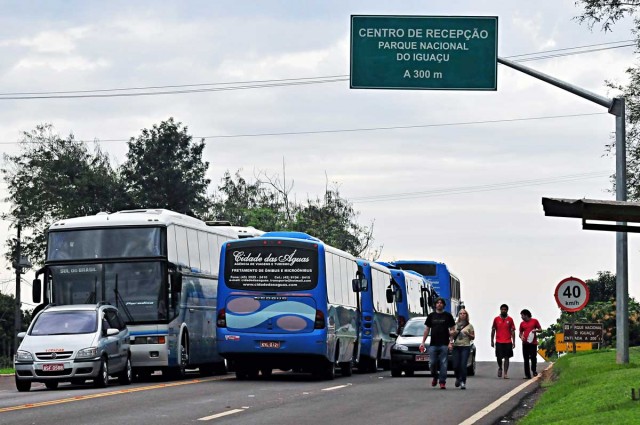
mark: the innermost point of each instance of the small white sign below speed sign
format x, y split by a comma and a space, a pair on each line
572, 294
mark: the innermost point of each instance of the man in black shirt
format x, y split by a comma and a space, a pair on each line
442, 326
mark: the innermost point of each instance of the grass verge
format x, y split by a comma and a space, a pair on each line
589, 388
7, 371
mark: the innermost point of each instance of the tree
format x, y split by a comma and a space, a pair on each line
607, 13
54, 178
602, 289
7, 333
164, 169
266, 205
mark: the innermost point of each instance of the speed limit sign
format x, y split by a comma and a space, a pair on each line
572, 294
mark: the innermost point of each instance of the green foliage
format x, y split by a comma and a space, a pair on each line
7, 322
164, 169
265, 205
54, 178
606, 12
603, 288
590, 388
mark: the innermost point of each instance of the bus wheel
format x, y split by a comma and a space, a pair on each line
180, 371
326, 370
241, 375
471, 370
346, 368
266, 372
396, 372
409, 372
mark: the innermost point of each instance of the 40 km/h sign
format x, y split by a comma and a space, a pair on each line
572, 294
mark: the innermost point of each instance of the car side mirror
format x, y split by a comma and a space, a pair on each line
21, 335
36, 290
112, 332
393, 335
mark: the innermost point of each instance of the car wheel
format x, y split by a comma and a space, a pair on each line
471, 370
51, 385
22, 386
126, 376
102, 380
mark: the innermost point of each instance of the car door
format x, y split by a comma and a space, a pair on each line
113, 343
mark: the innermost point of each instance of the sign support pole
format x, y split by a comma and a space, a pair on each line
615, 107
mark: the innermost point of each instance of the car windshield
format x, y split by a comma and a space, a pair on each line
65, 323
414, 328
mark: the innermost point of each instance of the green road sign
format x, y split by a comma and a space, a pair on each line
424, 52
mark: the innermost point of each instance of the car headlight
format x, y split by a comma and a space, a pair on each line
400, 347
87, 353
24, 356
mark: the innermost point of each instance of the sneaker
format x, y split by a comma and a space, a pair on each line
527, 377
443, 386
457, 383
535, 373
463, 386
434, 382
499, 373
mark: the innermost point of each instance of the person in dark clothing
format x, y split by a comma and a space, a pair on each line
528, 335
441, 325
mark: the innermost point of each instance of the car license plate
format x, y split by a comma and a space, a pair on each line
422, 357
269, 344
53, 367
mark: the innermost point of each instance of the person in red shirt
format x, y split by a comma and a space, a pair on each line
503, 338
528, 334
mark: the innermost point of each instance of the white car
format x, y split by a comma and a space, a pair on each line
73, 343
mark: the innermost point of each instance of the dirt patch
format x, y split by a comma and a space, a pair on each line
529, 401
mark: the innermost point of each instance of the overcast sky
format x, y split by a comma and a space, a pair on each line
468, 179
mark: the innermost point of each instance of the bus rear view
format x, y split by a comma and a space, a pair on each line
272, 306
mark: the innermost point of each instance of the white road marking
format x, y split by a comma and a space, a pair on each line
220, 415
335, 388
493, 406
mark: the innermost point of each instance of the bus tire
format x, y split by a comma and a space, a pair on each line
266, 372
396, 372
346, 368
241, 375
180, 371
409, 372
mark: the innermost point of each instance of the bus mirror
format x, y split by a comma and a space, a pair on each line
421, 301
36, 290
389, 295
359, 285
176, 282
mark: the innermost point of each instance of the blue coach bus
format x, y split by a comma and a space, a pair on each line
415, 296
287, 301
445, 283
379, 318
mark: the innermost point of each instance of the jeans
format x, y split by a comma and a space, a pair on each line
530, 353
460, 358
438, 361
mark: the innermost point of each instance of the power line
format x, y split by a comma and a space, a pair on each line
258, 84
479, 188
362, 129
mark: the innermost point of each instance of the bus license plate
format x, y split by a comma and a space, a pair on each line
53, 367
269, 344
422, 357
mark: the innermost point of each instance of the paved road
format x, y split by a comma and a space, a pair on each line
283, 399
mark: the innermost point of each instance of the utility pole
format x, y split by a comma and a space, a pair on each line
18, 312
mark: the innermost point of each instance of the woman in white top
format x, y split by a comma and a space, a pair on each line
462, 337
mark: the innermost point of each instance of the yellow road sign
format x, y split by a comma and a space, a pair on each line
563, 347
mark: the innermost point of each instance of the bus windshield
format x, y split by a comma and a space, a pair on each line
138, 289
423, 269
124, 242
289, 266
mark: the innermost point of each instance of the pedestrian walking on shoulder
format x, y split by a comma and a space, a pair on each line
462, 338
441, 325
503, 338
528, 334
